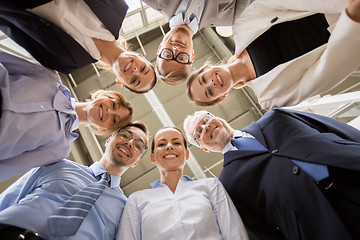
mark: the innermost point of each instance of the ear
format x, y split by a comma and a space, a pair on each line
107, 141
224, 96
187, 155
192, 56
152, 158
205, 149
118, 82
102, 129
136, 163
207, 67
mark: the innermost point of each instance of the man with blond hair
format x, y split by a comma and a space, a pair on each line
291, 175
176, 54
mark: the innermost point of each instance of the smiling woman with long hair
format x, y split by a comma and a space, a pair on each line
70, 34
38, 115
178, 207
293, 50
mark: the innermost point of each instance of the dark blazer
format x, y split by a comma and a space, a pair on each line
275, 198
46, 42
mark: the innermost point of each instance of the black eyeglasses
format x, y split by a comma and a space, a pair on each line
138, 144
168, 54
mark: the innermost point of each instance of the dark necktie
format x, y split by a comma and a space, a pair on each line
317, 172
66, 220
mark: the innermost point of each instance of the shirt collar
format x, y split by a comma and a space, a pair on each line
178, 19
98, 169
158, 183
76, 122
65, 105
229, 146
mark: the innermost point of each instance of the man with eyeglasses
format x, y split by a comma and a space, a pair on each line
32, 207
291, 175
186, 17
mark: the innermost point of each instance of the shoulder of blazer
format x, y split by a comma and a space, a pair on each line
110, 12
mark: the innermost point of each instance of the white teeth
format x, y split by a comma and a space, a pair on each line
127, 66
123, 151
170, 156
219, 79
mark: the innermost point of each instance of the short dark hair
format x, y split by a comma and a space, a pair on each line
153, 140
136, 124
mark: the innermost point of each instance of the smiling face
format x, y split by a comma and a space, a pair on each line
133, 71
209, 132
106, 112
169, 152
125, 152
211, 84
178, 40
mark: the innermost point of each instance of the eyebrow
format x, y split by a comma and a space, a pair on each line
206, 93
173, 139
138, 82
147, 71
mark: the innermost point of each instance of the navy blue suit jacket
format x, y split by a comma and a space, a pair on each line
47, 43
275, 198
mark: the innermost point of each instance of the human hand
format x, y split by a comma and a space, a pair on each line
353, 10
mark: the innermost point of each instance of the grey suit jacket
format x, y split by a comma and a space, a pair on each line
215, 13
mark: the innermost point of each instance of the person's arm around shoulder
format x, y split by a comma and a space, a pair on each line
130, 223
230, 223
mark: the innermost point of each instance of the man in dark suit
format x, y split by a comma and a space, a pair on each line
291, 175
49, 44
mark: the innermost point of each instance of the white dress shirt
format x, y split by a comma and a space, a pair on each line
198, 209
76, 19
237, 133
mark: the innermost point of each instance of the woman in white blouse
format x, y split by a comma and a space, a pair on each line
286, 54
178, 207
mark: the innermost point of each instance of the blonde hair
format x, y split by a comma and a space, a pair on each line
124, 45
121, 99
127, 47
175, 77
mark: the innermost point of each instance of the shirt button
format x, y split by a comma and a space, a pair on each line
41, 106
274, 151
187, 21
274, 19
295, 169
